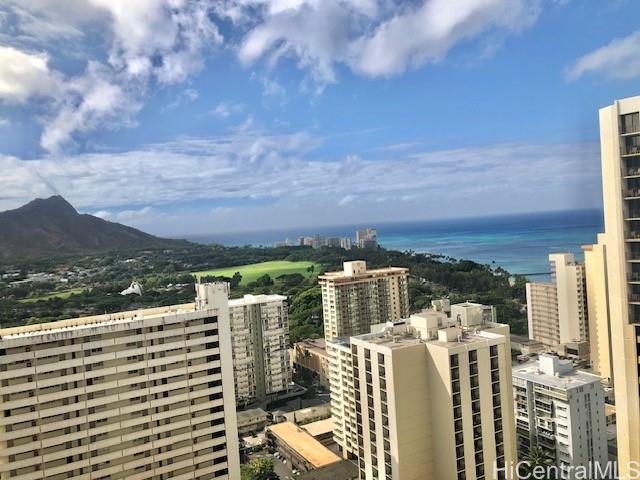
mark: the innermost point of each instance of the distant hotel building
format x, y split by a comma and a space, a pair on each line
433, 400
557, 311
355, 298
560, 410
260, 340
145, 394
367, 238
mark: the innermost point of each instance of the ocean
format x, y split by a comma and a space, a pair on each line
519, 243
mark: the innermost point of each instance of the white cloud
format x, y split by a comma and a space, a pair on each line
226, 109
4, 122
185, 97
24, 75
620, 59
268, 181
149, 41
126, 216
371, 37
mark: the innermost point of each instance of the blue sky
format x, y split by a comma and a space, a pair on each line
184, 117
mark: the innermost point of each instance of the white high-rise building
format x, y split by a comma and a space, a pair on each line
562, 411
557, 311
146, 394
260, 340
355, 298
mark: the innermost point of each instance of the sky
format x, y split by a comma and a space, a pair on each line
193, 117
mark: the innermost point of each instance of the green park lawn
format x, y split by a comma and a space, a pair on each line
253, 271
63, 294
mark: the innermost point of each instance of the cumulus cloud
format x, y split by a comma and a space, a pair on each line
149, 41
620, 59
369, 36
24, 75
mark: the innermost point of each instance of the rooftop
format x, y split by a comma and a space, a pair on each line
254, 299
93, 321
319, 428
565, 380
313, 344
450, 337
357, 270
245, 416
304, 444
343, 470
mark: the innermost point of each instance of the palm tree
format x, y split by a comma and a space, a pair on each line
535, 457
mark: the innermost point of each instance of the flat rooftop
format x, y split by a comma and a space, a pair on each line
93, 321
304, 444
530, 371
255, 299
407, 339
245, 416
320, 427
376, 272
316, 345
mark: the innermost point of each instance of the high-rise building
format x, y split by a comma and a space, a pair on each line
560, 410
620, 150
144, 394
343, 401
260, 340
367, 238
355, 298
557, 311
433, 400
595, 261
345, 242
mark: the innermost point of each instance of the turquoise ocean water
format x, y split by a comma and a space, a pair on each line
518, 243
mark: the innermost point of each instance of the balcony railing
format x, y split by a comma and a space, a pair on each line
632, 193
631, 150
633, 171
634, 297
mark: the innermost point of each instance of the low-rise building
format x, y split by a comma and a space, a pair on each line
561, 410
251, 421
321, 430
312, 356
301, 450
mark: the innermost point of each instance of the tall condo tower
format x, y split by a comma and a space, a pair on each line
620, 150
144, 394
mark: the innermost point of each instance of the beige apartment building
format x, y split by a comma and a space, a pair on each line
434, 401
343, 403
620, 150
311, 355
595, 262
145, 394
260, 345
355, 298
557, 311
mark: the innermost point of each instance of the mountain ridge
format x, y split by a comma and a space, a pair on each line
52, 226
